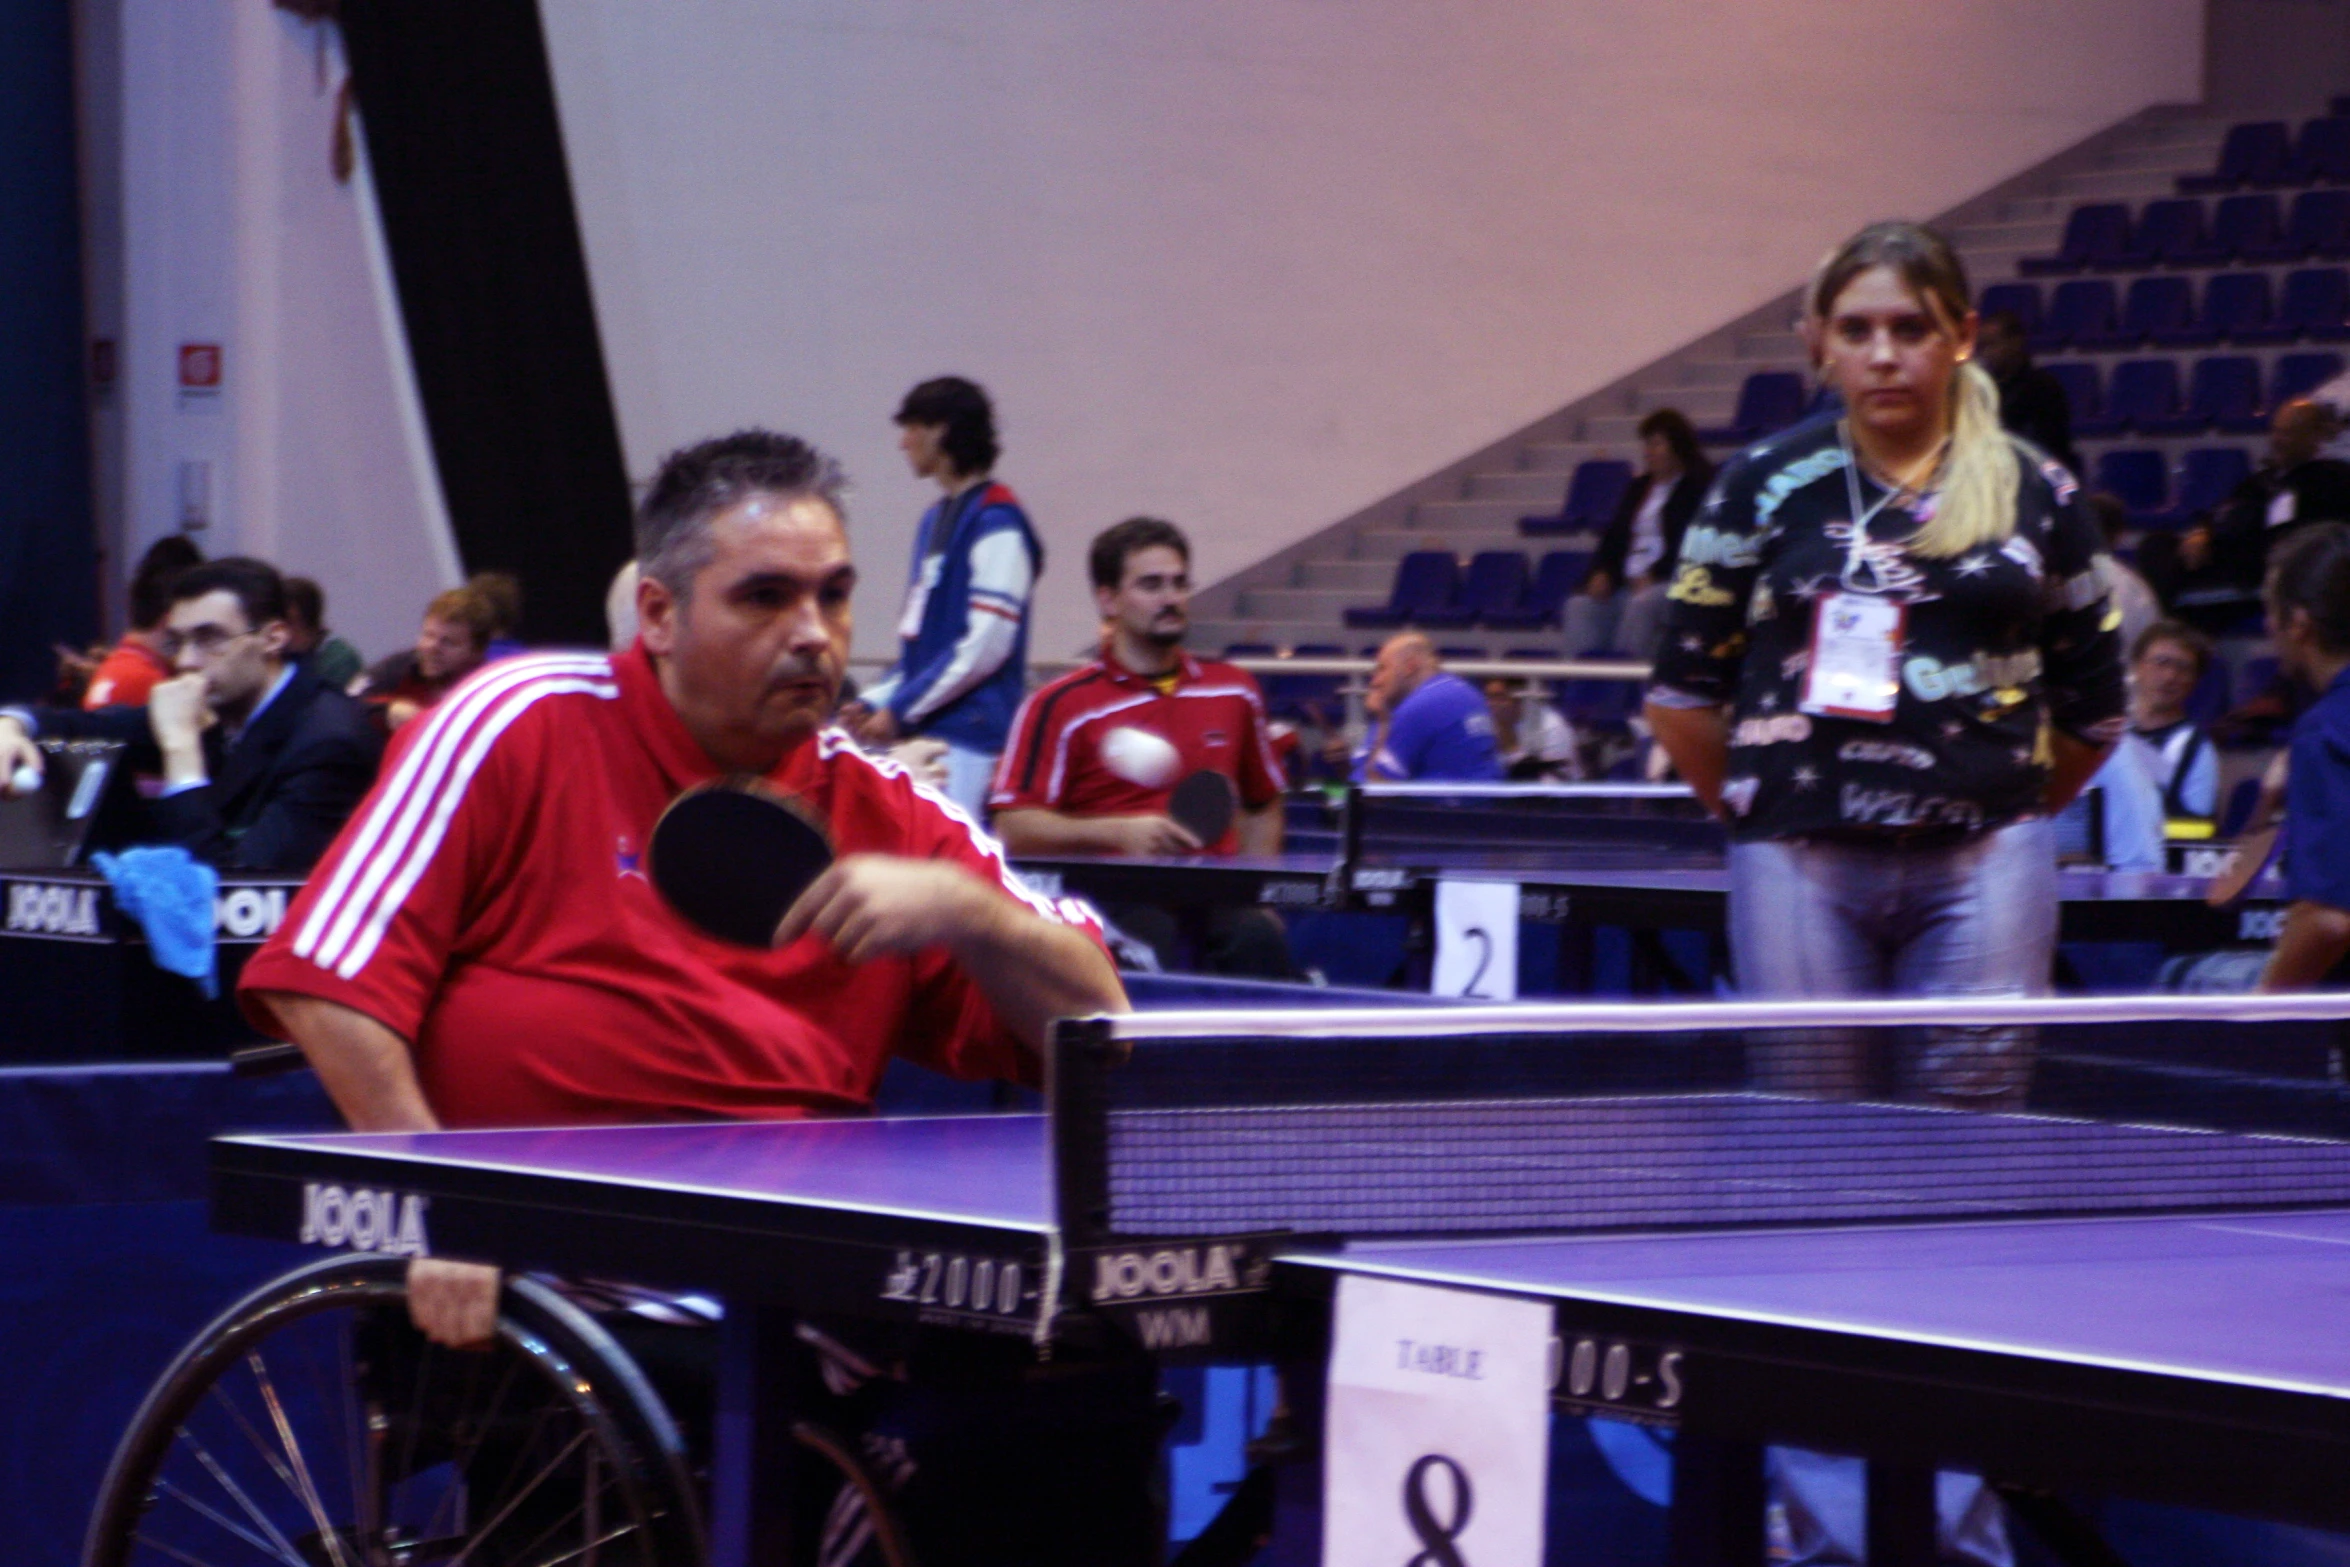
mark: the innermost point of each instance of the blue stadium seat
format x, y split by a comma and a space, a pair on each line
2254, 153
1452, 652
2023, 299
2319, 227
2223, 393
2171, 234
2207, 476
2248, 228
2083, 390
2236, 309
2161, 310
1770, 401
1556, 575
2297, 375
2316, 306
2081, 313
1424, 580
2097, 235
1249, 650
2143, 395
2140, 481
2321, 153
1496, 584
1483, 576
1597, 486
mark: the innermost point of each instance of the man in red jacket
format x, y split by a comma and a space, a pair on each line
480, 946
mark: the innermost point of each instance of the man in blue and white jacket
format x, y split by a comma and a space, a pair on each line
963, 636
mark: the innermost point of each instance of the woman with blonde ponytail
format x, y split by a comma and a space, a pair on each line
1888, 659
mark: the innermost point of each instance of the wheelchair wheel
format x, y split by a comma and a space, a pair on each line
311, 1426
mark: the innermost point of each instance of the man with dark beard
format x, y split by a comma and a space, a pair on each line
1095, 756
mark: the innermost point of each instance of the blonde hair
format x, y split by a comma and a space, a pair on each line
1980, 475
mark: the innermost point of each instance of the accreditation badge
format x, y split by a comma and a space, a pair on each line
1855, 658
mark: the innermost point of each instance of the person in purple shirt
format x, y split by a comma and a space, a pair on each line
1427, 725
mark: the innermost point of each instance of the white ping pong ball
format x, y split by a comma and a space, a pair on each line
1146, 760
24, 780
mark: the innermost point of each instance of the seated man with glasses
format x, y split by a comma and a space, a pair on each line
261, 760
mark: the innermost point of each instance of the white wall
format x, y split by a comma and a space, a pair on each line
215, 217
1254, 263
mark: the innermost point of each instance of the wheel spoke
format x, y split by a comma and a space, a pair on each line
597, 1543
519, 1497
589, 1510
461, 1461
282, 1550
227, 1482
173, 1552
285, 1433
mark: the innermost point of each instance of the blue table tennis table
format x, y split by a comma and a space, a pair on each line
2195, 1357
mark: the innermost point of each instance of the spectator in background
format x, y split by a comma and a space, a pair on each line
453, 642
1426, 725
963, 634
138, 663
336, 662
1536, 743
1097, 755
2213, 574
2137, 603
261, 761
2167, 662
2032, 403
1622, 600
502, 592
2308, 598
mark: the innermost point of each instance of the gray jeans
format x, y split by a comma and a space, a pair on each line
1627, 621
1813, 919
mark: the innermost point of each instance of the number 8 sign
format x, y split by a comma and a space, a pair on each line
1437, 1429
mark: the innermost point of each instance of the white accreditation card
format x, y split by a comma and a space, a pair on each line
1855, 658
1438, 1427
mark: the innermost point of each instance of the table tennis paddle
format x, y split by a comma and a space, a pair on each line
1202, 805
2255, 853
732, 856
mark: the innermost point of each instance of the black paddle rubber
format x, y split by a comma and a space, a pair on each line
1202, 805
732, 856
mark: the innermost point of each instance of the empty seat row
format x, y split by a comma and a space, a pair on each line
1499, 588
1594, 491
1769, 401
2100, 237
2143, 482
2235, 307
2265, 154
2223, 392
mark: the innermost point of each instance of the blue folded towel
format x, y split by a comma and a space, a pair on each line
170, 893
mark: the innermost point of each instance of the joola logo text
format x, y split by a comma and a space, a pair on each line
364, 1220
48, 909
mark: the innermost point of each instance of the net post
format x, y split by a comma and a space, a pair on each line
1077, 1097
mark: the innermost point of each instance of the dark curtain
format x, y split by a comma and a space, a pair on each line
458, 103
48, 541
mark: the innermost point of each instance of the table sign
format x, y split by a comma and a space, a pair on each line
1439, 1428
1476, 940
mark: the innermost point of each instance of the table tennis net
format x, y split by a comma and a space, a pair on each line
1432, 1125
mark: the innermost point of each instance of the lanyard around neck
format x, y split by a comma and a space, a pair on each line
1855, 548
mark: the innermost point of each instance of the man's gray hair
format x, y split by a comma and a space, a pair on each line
698, 482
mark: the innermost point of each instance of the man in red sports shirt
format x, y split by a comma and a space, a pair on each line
1095, 755
480, 946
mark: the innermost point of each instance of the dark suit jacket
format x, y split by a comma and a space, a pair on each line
277, 796
2033, 404
1616, 543
2240, 535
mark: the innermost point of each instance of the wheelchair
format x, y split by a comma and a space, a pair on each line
310, 1425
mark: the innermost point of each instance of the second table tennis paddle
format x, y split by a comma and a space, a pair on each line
1202, 805
732, 856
